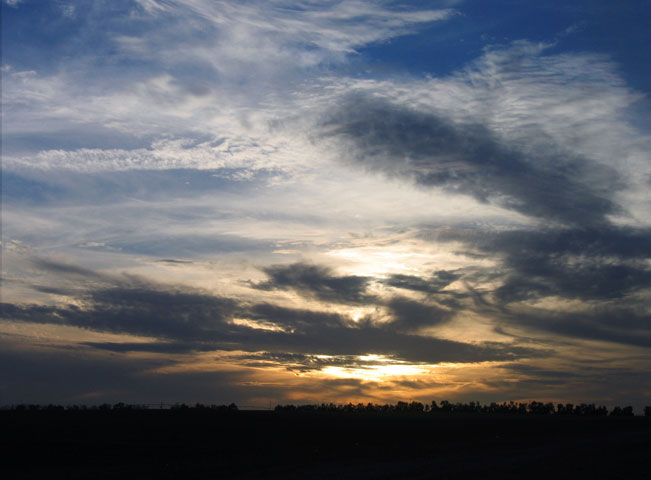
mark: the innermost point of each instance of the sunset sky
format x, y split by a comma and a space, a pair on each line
268, 202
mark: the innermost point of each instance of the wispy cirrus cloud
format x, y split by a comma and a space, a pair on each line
329, 27
201, 71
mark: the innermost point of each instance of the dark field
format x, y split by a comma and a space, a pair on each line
189, 444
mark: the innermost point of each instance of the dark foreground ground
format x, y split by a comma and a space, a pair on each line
166, 444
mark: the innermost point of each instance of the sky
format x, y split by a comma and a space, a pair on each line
268, 202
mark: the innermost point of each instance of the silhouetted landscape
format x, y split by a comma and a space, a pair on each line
404, 440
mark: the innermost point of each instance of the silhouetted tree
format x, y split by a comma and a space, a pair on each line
416, 407
446, 406
402, 406
616, 412
512, 408
540, 408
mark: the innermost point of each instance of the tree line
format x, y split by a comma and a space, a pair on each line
120, 407
530, 408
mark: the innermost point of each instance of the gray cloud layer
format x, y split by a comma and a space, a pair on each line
186, 320
318, 282
468, 159
586, 263
606, 269
435, 284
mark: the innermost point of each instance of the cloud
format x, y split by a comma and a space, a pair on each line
82, 376
152, 347
136, 311
66, 269
410, 315
202, 321
573, 283
293, 320
196, 71
468, 159
435, 284
187, 154
317, 282
603, 263
307, 363
330, 26
625, 324
183, 319
576, 382
72, 376
512, 125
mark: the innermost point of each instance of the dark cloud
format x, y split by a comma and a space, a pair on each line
607, 240
293, 319
382, 341
468, 159
535, 371
605, 267
188, 320
580, 263
136, 310
207, 330
316, 282
606, 384
152, 347
435, 284
54, 290
65, 269
582, 280
81, 376
410, 315
616, 323
323, 333
416, 384
534, 264
190, 245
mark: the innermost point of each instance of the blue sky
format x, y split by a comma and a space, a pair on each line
261, 202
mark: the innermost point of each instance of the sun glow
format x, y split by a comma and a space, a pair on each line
375, 368
375, 372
